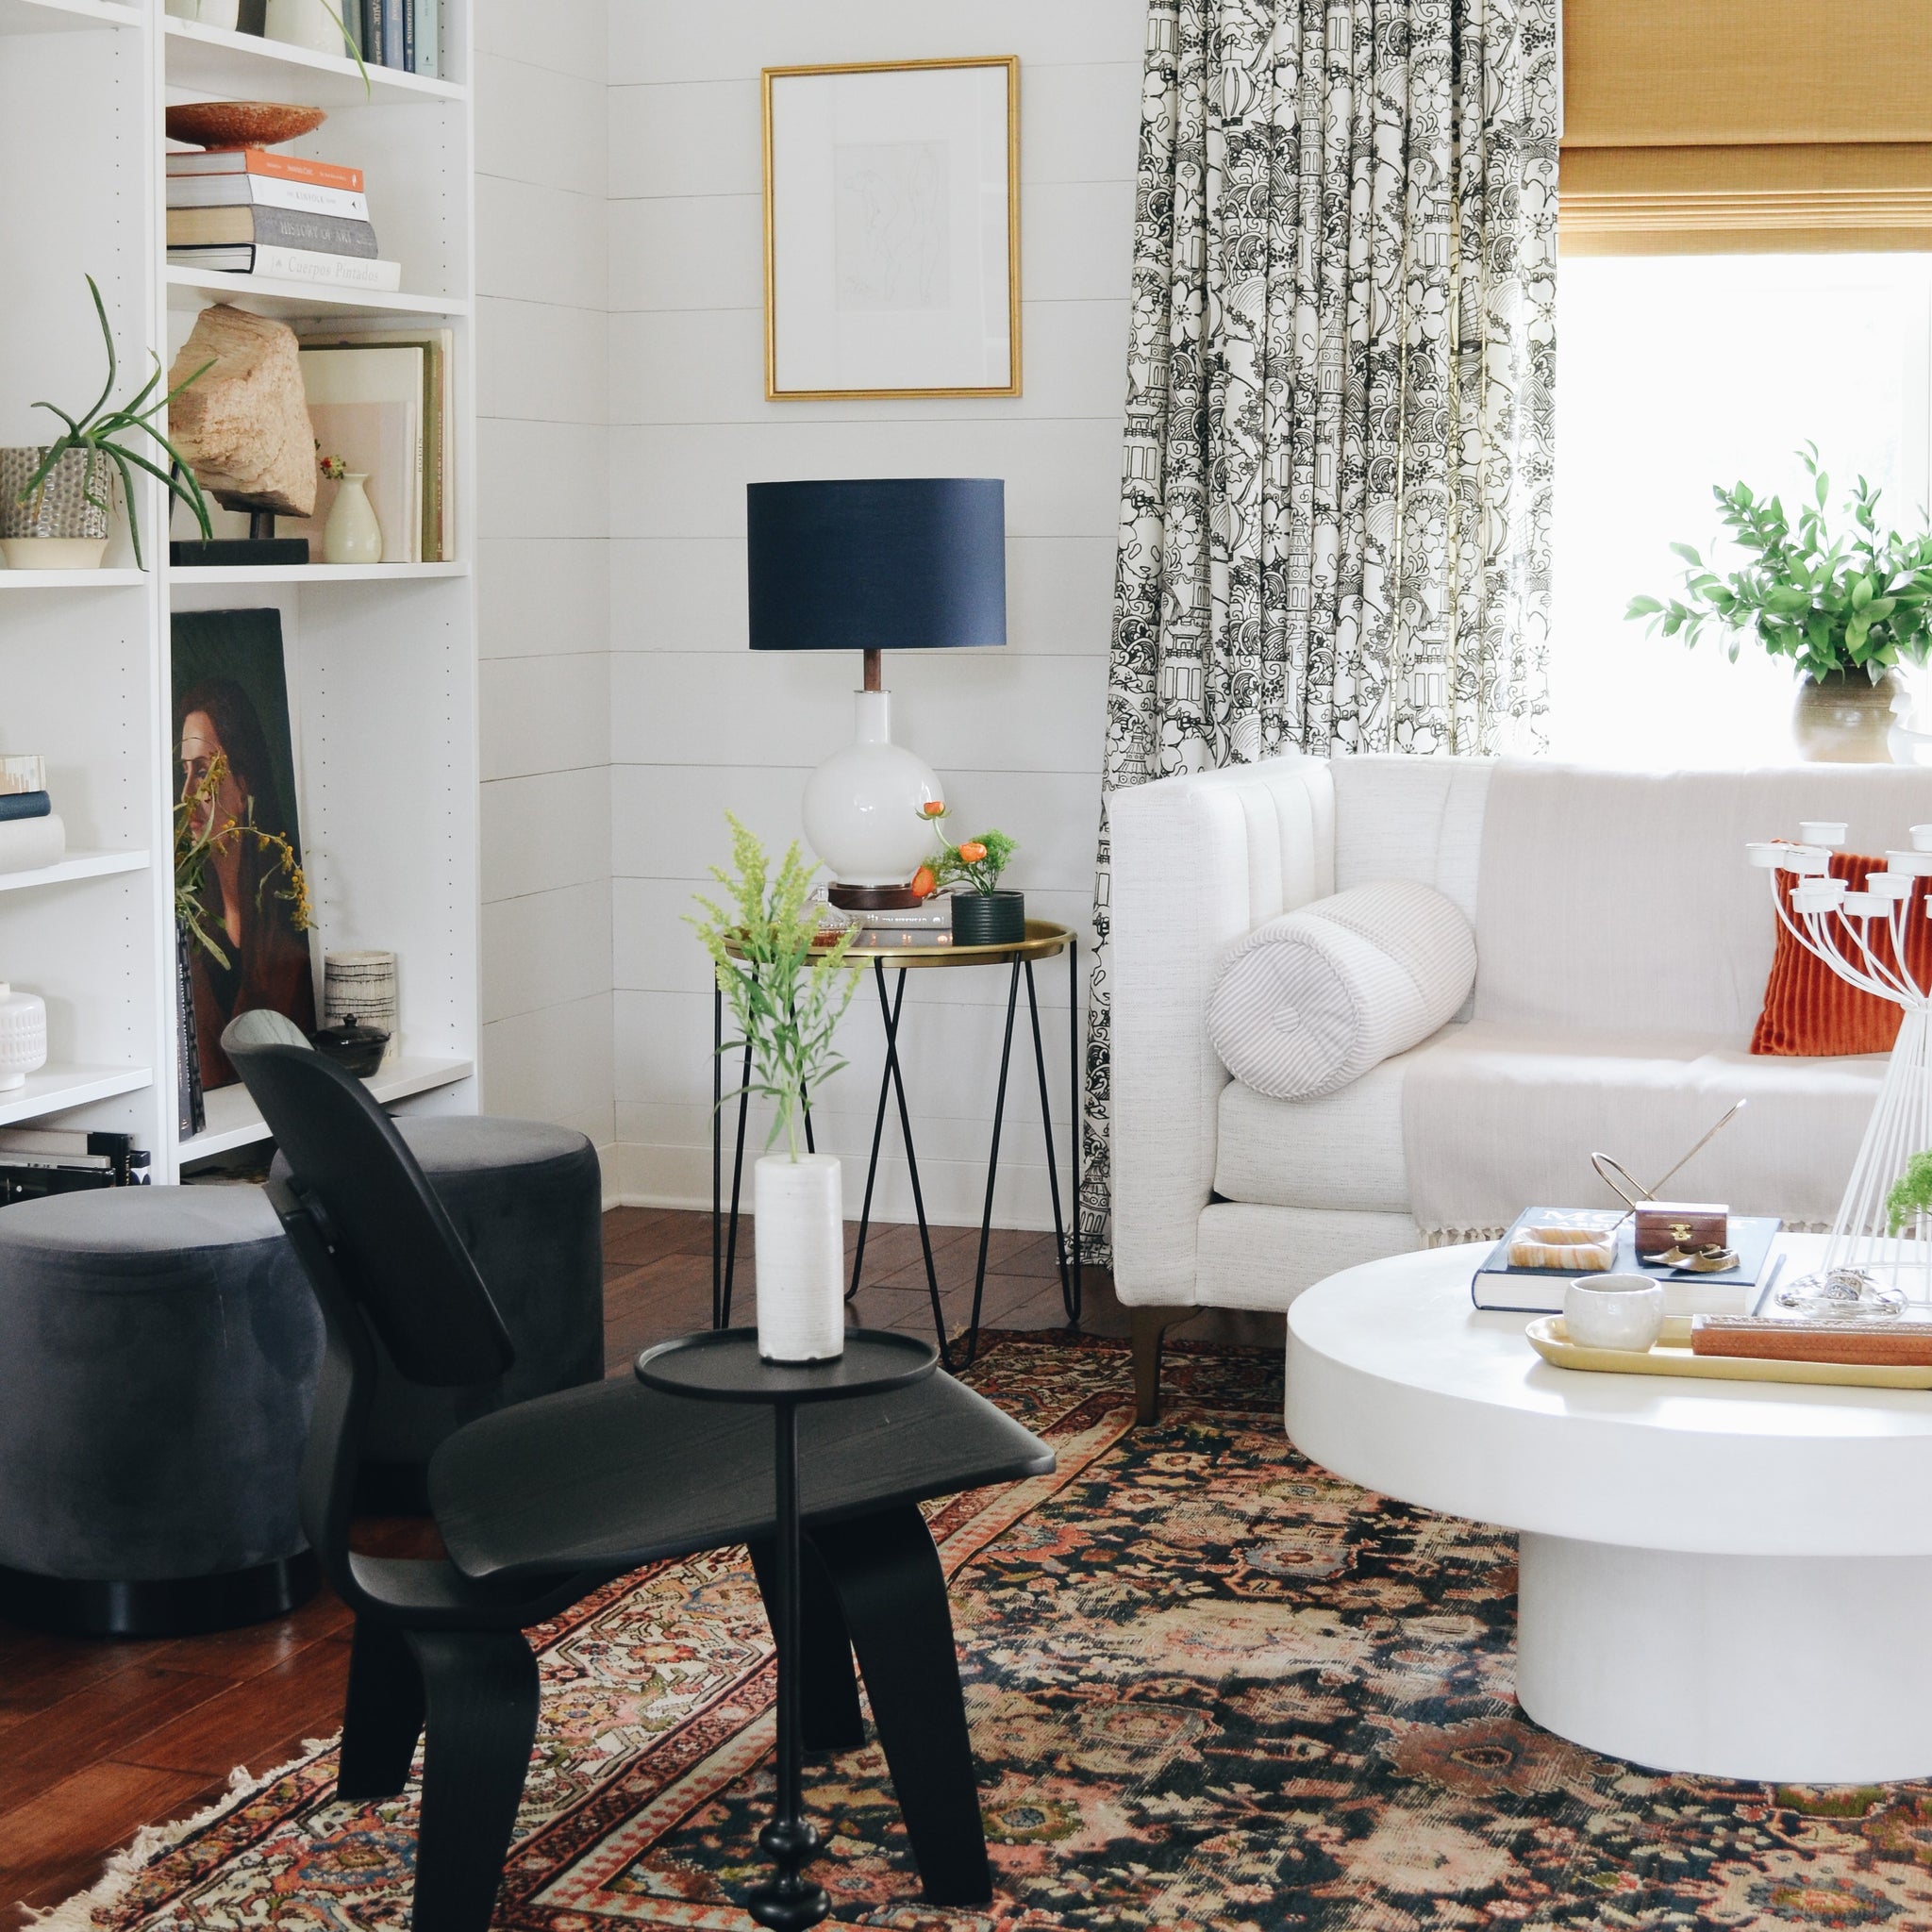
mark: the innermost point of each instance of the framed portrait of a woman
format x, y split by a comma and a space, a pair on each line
244, 929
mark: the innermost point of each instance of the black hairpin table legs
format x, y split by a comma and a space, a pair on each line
1066, 1209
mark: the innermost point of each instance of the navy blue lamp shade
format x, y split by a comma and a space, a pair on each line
899, 564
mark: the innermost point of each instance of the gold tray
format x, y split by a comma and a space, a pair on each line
1671, 1356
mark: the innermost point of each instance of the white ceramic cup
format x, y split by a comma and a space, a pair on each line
1615, 1311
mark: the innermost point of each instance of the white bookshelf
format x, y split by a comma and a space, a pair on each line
381, 659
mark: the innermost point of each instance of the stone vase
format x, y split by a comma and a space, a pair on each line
1845, 718
65, 523
798, 1226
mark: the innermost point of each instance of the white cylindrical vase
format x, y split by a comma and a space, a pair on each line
798, 1226
23, 1036
307, 24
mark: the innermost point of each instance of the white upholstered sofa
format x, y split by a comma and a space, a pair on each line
1623, 944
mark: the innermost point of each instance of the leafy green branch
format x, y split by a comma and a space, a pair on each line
1858, 600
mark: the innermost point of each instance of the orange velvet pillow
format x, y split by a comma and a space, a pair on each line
1809, 1008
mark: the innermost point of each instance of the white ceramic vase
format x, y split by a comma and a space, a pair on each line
798, 1226
862, 806
23, 1036
304, 23
352, 535
225, 14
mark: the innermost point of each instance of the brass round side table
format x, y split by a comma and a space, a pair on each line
1044, 940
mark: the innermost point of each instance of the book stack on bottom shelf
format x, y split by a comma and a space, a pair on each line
248, 210
35, 1161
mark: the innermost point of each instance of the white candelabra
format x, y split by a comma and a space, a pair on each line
1868, 1271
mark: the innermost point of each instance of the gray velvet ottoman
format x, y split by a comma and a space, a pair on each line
158, 1354
527, 1199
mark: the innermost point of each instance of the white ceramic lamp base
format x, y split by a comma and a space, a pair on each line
861, 807
798, 1228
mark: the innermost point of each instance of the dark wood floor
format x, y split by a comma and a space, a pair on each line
98, 1738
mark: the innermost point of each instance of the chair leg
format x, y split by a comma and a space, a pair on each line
889, 1579
482, 1720
383, 1717
828, 1714
1150, 1324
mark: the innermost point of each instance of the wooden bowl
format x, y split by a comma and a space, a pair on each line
241, 124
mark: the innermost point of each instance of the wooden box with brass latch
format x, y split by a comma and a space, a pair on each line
1683, 1225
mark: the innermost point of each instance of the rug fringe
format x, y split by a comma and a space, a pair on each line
80, 1913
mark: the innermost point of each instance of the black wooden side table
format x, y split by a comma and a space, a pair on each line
1044, 940
725, 1366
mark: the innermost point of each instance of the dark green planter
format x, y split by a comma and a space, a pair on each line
988, 919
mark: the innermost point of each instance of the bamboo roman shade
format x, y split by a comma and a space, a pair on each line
1712, 127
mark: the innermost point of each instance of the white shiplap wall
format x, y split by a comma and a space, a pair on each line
545, 589
696, 725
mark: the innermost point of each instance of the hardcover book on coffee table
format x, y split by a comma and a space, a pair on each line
1539, 1290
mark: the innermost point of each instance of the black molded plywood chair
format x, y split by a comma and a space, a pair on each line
541, 1503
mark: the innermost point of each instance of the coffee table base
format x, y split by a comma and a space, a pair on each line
1784, 1669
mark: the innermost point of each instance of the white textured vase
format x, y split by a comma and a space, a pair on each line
23, 1036
305, 23
798, 1226
352, 534
862, 806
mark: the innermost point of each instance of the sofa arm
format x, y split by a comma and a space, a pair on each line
1197, 862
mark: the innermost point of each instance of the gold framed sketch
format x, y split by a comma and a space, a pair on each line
893, 229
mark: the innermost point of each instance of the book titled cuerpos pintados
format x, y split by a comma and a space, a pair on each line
274, 227
294, 265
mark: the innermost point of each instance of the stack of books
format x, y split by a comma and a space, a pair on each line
252, 211
31, 834
37, 1161
397, 33
927, 924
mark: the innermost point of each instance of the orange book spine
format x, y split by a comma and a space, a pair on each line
257, 161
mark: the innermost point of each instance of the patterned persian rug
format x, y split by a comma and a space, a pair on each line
1210, 1687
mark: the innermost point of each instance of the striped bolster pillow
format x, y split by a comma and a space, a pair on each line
1314, 999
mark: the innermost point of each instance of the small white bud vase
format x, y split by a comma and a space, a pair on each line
798, 1226
352, 534
304, 23
23, 1036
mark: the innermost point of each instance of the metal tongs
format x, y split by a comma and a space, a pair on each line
1616, 1176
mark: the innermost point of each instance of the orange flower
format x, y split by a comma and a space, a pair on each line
971, 852
923, 884
933, 808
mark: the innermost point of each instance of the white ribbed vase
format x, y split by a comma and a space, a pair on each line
798, 1224
23, 1036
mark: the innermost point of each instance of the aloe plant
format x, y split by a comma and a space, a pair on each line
98, 430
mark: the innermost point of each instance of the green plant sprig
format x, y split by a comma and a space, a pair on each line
1857, 601
193, 850
1912, 1193
95, 432
786, 993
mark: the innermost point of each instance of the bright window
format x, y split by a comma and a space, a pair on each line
1679, 372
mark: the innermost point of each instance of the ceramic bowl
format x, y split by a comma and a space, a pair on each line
241, 124
1615, 1311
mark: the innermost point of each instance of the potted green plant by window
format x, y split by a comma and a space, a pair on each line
1848, 610
984, 913
787, 983
56, 500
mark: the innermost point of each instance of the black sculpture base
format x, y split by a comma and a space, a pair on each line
158, 1606
234, 550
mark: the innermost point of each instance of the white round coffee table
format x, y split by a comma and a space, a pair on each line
1723, 1578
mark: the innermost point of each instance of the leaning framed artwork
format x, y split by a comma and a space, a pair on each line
893, 229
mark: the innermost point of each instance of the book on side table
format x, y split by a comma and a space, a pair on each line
1539, 1290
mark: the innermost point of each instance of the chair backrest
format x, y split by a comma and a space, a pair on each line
393, 1245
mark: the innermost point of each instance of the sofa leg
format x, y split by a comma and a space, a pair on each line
1150, 1324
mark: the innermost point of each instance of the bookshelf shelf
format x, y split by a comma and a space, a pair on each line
70, 580
76, 865
191, 288
314, 573
233, 1121
206, 61
380, 661
60, 1084
63, 16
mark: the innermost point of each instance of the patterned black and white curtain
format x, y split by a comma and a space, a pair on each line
1334, 502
